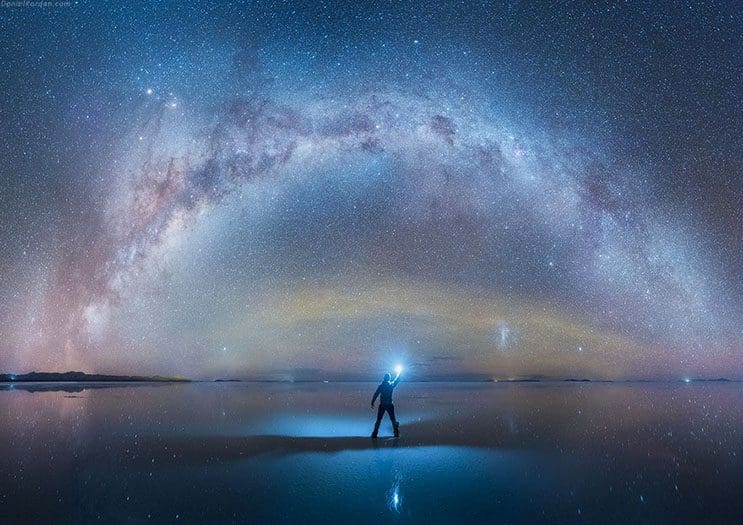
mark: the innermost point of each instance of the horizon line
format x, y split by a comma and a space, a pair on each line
105, 377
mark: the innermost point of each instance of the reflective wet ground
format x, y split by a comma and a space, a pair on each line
300, 453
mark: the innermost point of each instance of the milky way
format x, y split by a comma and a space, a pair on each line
235, 201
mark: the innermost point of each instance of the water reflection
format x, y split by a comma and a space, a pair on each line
394, 499
301, 453
75, 386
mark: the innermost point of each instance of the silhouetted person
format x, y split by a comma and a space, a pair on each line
384, 391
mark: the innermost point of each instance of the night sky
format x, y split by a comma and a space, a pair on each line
317, 189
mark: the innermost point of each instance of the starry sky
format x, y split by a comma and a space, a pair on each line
304, 190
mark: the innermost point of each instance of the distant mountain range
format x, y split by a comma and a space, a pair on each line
81, 377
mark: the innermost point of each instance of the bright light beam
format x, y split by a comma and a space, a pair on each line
394, 499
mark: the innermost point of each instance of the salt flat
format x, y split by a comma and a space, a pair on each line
300, 453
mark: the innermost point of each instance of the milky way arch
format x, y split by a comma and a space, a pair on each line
539, 201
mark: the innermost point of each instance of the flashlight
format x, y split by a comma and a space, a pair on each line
398, 369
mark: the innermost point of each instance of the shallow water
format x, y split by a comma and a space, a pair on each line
300, 453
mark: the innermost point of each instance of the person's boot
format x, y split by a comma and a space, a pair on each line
396, 426
376, 429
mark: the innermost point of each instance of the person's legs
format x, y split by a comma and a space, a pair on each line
395, 424
380, 413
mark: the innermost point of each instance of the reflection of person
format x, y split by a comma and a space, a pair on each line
384, 391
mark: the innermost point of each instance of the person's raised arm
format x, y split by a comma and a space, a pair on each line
397, 379
376, 394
